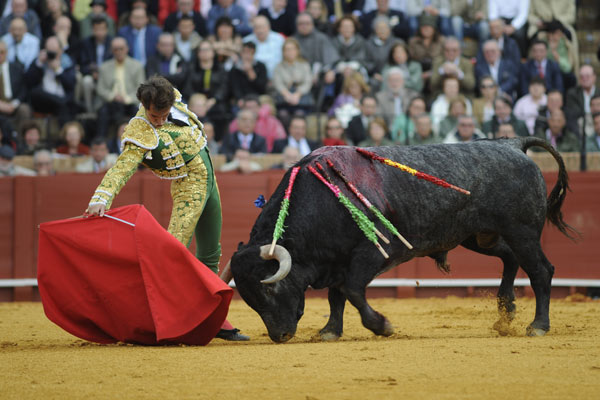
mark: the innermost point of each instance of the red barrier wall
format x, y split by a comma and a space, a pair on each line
25, 202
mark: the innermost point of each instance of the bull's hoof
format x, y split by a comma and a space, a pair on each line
502, 326
531, 331
509, 316
388, 329
328, 336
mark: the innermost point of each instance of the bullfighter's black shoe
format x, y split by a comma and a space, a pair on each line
233, 335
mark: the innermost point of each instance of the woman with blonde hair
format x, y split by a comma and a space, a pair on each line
346, 104
72, 134
292, 81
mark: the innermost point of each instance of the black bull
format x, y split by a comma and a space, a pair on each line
503, 217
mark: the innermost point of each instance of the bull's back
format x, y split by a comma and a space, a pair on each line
506, 188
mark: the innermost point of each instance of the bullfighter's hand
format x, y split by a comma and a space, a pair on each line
95, 210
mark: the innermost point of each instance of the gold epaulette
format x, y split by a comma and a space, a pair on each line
140, 132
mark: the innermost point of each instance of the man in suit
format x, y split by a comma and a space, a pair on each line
509, 49
394, 100
358, 125
141, 36
540, 65
297, 138
452, 63
118, 80
167, 62
245, 137
186, 7
282, 19
93, 51
22, 45
52, 79
502, 71
578, 104
13, 90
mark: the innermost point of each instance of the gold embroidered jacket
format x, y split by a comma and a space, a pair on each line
165, 150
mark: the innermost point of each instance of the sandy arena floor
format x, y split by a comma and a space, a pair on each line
443, 349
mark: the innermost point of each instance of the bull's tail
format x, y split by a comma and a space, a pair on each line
559, 192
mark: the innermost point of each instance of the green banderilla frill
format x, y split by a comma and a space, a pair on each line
283, 213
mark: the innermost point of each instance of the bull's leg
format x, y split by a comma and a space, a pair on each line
335, 326
506, 293
533, 261
370, 318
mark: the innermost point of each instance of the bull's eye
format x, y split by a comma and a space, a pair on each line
269, 290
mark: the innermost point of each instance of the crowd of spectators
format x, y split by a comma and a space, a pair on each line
379, 72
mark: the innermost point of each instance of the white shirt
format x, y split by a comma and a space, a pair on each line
517, 10
50, 82
245, 140
6, 80
586, 99
7, 8
494, 68
301, 145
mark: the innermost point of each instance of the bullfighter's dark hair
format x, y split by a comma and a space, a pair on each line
156, 91
539, 41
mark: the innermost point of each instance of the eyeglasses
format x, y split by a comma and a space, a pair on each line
334, 127
488, 86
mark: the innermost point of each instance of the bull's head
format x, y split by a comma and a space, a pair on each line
265, 283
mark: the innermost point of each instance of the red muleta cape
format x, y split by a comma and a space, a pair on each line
106, 281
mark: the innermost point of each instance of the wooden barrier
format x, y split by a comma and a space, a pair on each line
25, 202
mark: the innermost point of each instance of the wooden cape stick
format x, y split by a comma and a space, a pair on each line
377, 232
412, 171
368, 204
361, 221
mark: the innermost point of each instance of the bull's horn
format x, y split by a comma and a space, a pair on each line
281, 255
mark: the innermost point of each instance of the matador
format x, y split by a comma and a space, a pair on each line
169, 139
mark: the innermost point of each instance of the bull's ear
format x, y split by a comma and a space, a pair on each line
240, 244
